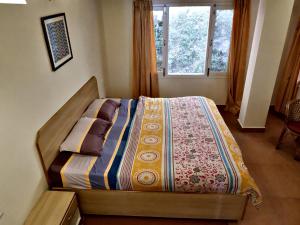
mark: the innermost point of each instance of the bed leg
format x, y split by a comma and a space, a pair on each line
245, 206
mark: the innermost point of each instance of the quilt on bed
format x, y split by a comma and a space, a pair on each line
183, 145
164, 144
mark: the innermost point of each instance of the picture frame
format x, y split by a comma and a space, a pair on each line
57, 39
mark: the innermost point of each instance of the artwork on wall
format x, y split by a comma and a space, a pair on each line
57, 39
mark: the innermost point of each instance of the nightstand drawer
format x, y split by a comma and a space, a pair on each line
70, 213
55, 208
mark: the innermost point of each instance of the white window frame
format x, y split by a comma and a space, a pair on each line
215, 5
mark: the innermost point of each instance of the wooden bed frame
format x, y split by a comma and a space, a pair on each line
129, 203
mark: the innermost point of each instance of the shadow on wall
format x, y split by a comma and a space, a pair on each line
288, 42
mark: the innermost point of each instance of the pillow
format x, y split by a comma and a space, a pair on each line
102, 108
86, 137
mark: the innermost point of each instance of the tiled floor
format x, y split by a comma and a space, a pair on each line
276, 173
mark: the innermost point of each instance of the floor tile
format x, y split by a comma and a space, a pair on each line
265, 215
288, 210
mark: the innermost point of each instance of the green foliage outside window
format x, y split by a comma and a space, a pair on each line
221, 40
188, 39
188, 31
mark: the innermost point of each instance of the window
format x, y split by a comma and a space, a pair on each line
159, 38
188, 32
221, 40
193, 40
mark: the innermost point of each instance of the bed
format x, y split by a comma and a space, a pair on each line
174, 153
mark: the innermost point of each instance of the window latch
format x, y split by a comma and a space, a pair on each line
164, 72
208, 70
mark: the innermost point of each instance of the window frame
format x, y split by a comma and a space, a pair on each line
214, 5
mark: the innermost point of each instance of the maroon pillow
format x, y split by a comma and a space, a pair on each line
93, 141
87, 137
102, 108
108, 109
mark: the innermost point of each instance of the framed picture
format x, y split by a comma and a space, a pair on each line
57, 39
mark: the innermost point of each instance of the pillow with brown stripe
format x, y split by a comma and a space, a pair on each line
87, 137
102, 108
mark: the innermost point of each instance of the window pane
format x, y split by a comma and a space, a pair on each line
221, 41
188, 33
159, 38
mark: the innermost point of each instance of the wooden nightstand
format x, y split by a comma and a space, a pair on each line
55, 208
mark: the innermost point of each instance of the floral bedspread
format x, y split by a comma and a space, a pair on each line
183, 145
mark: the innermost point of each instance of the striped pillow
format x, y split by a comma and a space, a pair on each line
87, 137
102, 108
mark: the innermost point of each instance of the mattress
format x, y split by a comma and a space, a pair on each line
163, 144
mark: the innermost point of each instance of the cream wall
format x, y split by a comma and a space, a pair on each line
269, 37
288, 42
115, 18
116, 25
214, 88
253, 57
30, 93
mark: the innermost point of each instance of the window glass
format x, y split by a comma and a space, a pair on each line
184, 49
159, 37
187, 44
221, 40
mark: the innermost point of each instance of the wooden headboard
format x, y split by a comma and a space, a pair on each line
53, 133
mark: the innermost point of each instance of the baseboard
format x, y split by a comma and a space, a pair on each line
250, 129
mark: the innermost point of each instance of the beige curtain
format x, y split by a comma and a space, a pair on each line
288, 84
145, 78
238, 55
